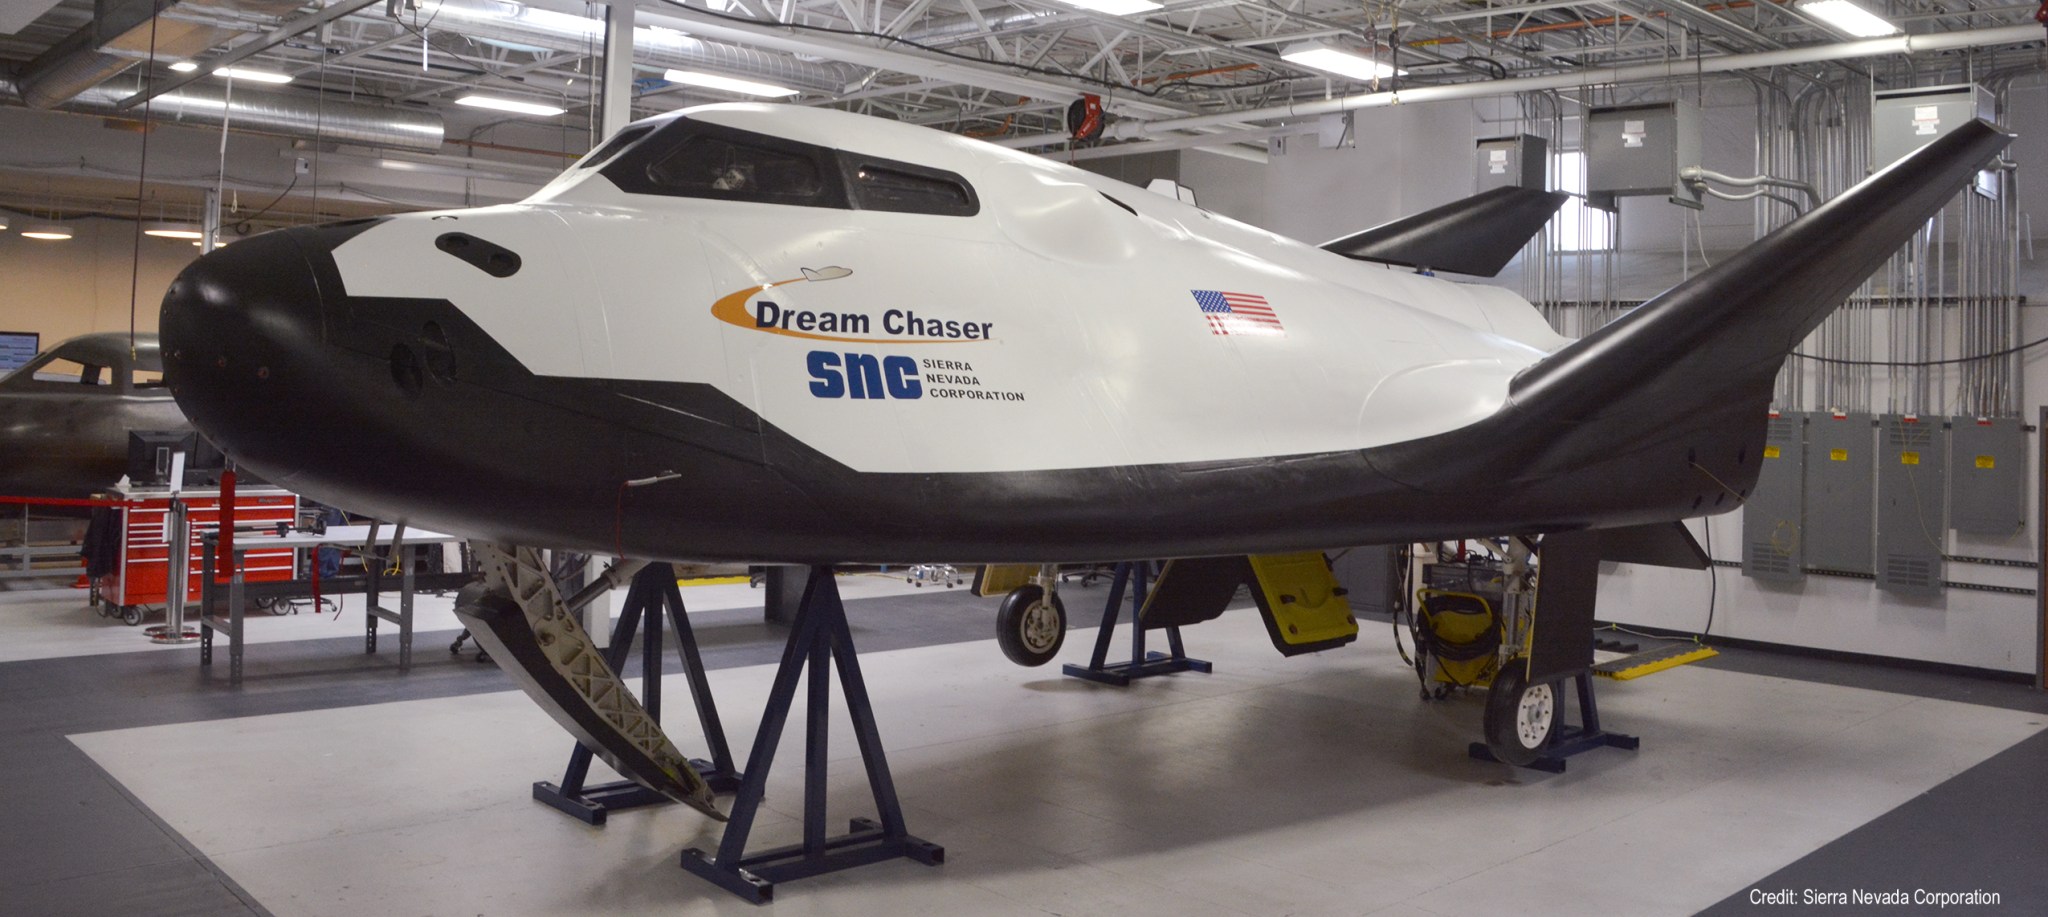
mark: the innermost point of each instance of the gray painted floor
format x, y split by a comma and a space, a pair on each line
77, 842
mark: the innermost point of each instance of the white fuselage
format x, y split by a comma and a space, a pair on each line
1052, 329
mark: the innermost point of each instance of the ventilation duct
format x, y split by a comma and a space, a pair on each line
265, 111
524, 26
122, 34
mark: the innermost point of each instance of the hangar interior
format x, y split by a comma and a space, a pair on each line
1871, 720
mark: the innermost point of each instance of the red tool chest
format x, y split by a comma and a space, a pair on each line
143, 575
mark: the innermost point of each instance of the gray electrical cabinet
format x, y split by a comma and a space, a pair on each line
1988, 488
1912, 464
1838, 492
1520, 161
1367, 575
1904, 120
1771, 548
1638, 150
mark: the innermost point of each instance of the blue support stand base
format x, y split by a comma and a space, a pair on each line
1143, 664
651, 596
820, 639
1570, 740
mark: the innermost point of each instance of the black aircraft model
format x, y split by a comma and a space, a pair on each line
65, 416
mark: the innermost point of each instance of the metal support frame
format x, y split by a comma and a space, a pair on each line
652, 592
1143, 664
373, 610
177, 581
1570, 740
819, 639
225, 615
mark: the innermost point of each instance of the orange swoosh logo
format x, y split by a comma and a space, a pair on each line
732, 310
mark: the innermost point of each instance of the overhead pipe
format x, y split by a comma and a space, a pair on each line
121, 35
265, 111
1597, 76
497, 20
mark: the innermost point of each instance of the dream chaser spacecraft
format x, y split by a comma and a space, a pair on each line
791, 335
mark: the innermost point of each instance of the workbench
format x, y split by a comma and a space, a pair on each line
214, 619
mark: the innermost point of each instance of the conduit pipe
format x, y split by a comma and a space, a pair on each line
265, 111
1593, 76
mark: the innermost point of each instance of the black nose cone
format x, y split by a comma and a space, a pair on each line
241, 328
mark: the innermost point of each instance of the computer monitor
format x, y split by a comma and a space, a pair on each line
149, 457
149, 454
17, 348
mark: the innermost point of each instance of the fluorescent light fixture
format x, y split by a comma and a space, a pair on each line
52, 232
1848, 18
1318, 56
511, 105
1115, 7
184, 66
728, 84
253, 76
3, 222
172, 231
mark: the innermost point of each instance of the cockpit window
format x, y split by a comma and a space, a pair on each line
54, 373
905, 188
686, 158
716, 166
58, 369
611, 147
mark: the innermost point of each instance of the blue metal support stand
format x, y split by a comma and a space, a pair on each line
1570, 740
819, 639
1133, 575
652, 592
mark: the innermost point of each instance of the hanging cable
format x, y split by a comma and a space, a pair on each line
141, 187
1919, 363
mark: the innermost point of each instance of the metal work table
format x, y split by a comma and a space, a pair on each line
239, 593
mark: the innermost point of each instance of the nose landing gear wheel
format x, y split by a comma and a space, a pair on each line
1031, 626
1520, 717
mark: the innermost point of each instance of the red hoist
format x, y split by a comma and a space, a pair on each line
1084, 117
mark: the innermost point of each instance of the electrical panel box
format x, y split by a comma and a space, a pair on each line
1771, 523
1638, 150
1988, 488
1368, 574
1912, 464
1839, 517
1520, 161
1904, 120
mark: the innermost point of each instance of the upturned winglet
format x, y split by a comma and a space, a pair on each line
1478, 235
1660, 414
1731, 327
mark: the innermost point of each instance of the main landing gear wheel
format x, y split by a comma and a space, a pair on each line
1031, 625
1520, 717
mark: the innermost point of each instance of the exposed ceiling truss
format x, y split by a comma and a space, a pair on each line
999, 69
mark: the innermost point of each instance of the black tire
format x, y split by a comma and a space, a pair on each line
131, 615
1521, 718
1029, 629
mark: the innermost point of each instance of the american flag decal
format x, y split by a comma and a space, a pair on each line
1237, 313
